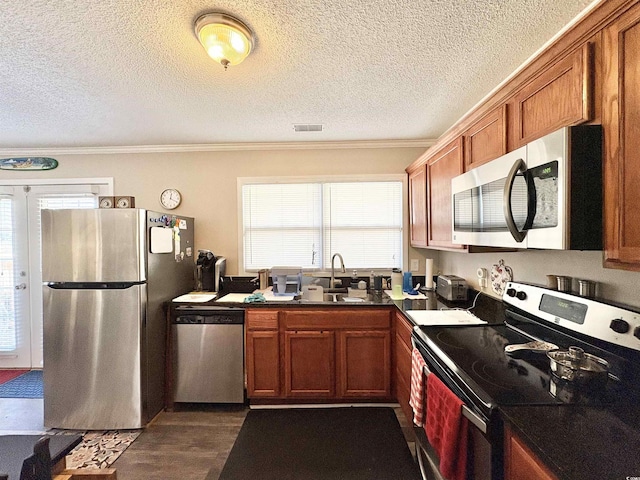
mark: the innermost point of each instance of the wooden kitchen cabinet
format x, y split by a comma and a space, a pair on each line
445, 164
559, 96
486, 139
520, 463
364, 363
403, 351
621, 123
418, 206
262, 353
309, 364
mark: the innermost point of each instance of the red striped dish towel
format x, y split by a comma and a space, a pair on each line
418, 386
446, 429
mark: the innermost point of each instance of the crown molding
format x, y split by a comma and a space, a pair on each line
217, 147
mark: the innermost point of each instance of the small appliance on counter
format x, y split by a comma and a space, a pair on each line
452, 287
286, 280
209, 271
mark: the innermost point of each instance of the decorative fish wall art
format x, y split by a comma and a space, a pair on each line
28, 163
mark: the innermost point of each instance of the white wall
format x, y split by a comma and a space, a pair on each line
532, 266
208, 181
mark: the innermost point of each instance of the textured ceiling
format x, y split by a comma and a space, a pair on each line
131, 72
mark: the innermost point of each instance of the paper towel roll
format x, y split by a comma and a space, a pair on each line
428, 276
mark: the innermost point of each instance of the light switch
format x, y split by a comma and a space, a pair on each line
414, 265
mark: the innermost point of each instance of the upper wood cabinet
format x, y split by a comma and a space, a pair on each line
558, 97
621, 123
445, 164
486, 139
418, 207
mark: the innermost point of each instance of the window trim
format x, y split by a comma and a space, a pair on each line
391, 177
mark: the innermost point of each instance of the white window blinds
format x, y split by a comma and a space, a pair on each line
8, 327
304, 224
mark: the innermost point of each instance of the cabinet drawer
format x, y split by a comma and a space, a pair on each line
261, 319
336, 318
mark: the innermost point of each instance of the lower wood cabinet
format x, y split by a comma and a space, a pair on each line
520, 462
364, 363
403, 351
262, 353
309, 363
325, 353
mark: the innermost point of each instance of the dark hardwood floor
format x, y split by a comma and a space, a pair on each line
190, 443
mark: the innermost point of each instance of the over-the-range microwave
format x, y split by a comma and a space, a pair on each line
546, 194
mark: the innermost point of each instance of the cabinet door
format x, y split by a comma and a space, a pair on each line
486, 139
521, 463
365, 363
309, 363
441, 168
263, 364
418, 207
558, 97
403, 364
621, 121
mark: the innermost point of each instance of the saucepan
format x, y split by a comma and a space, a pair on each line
574, 365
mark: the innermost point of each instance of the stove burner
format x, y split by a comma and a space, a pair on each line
496, 377
446, 339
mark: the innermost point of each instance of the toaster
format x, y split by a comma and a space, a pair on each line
452, 287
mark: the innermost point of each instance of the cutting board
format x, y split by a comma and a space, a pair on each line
425, 318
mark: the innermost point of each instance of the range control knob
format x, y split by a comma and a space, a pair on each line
521, 295
636, 333
619, 325
511, 292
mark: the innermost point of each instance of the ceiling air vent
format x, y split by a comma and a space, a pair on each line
307, 127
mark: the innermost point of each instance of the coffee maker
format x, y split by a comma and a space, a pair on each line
209, 271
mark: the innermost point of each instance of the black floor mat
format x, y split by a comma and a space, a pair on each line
354, 443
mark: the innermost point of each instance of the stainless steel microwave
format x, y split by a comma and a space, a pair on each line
546, 194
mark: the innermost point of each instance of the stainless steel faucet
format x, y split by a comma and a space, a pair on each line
332, 282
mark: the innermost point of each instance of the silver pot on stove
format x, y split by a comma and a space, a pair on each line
574, 365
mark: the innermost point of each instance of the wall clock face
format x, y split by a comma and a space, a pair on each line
170, 198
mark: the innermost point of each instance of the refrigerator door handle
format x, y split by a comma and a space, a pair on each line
92, 285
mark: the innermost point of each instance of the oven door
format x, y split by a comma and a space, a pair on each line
485, 441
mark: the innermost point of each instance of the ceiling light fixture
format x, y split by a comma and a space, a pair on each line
226, 39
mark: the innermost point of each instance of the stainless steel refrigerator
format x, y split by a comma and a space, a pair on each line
107, 273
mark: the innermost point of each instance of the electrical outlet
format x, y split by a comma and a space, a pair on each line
414, 265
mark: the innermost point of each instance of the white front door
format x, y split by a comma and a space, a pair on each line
20, 263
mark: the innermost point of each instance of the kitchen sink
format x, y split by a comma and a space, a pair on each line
345, 298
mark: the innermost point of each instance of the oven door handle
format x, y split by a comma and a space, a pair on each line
469, 414
474, 419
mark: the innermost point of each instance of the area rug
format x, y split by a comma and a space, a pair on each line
355, 443
6, 375
28, 385
99, 448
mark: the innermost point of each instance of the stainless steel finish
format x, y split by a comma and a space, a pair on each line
104, 323
209, 363
92, 351
535, 346
99, 245
574, 365
451, 287
332, 282
586, 288
518, 167
563, 284
597, 317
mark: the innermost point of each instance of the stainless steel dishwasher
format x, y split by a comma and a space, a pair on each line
208, 354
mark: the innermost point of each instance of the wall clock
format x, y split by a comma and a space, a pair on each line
170, 198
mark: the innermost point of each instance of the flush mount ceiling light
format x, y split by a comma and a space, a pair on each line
226, 39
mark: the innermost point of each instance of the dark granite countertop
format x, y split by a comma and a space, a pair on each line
581, 442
